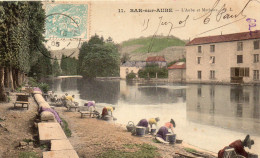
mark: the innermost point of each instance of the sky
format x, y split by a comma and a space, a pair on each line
108, 21
187, 19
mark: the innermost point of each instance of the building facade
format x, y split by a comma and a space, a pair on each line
131, 66
231, 58
177, 72
160, 60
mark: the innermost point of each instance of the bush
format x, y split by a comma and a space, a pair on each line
28, 155
142, 73
32, 82
152, 70
162, 73
18, 89
44, 87
130, 76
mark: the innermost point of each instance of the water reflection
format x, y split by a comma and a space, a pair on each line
100, 91
55, 84
68, 84
256, 111
232, 107
218, 101
151, 93
200, 111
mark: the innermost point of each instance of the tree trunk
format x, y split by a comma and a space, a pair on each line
19, 78
6, 77
11, 82
3, 96
23, 78
14, 78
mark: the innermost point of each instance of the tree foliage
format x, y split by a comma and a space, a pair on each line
21, 30
130, 76
56, 70
68, 65
125, 57
98, 58
21, 42
85, 48
42, 67
150, 70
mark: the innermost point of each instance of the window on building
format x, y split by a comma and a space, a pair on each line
199, 49
198, 107
199, 92
256, 58
212, 107
239, 72
199, 74
212, 74
212, 60
246, 97
256, 44
256, 74
239, 46
246, 72
212, 48
199, 60
212, 91
239, 58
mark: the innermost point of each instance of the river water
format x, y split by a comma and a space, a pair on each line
206, 116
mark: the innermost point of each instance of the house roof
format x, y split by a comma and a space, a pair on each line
178, 65
225, 38
155, 58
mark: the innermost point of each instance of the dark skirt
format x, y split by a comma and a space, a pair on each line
104, 112
162, 132
143, 123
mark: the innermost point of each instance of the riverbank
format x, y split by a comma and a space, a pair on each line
73, 76
17, 132
97, 138
166, 80
162, 80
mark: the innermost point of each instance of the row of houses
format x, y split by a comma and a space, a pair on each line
135, 66
230, 58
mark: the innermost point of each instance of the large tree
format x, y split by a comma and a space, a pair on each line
42, 67
21, 36
56, 70
86, 48
102, 59
68, 65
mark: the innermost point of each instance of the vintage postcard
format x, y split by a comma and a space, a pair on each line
130, 78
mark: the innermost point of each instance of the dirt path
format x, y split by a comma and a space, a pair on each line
91, 137
16, 125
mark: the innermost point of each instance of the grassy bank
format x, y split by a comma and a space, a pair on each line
28, 155
139, 151
156, 44
65, 128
